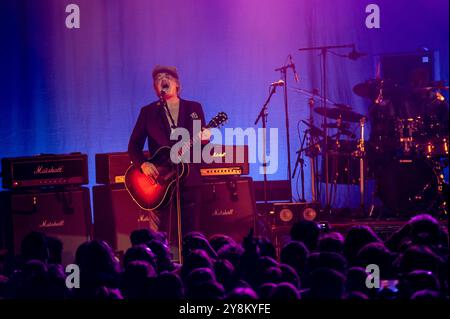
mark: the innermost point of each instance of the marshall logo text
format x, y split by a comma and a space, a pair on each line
48, 224
48, 170
223, 212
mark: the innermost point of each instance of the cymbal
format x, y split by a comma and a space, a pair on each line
431, 88
436, 85
371, 88
336, 113
346, 132
366, 89
342, 106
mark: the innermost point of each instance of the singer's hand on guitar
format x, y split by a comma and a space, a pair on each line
205, 135
150, 170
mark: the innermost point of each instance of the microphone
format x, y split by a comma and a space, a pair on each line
277, 83
355, 55
293, 68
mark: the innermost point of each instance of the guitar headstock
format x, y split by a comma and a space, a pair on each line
218, 120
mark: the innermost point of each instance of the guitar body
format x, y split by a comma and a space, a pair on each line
144, 191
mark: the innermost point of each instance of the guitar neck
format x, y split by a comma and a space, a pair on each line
189, 143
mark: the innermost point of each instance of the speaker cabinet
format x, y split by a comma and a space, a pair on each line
116, 215
228, 207
63, 213
286, 214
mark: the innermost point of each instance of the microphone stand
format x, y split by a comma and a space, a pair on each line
324, 51
177, 185
263, 116
283, 71
178, 204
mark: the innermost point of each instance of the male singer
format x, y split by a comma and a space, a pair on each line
154, 124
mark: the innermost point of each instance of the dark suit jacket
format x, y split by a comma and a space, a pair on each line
152, 125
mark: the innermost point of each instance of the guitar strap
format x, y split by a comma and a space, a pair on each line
172, 122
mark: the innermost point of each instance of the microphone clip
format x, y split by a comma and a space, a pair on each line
292, 66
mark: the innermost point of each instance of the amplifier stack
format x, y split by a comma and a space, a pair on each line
116, 215
228, 199
46, 195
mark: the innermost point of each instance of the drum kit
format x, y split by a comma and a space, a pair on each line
405, 153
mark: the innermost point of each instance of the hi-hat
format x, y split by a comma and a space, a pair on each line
344, 131
338, 113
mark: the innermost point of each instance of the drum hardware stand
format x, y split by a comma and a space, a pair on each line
310, 149
301, 161
312, 159
263, 114
324, 50
362, 155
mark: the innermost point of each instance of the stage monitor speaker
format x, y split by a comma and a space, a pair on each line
228, 207
286, 214
116, 215
61, 213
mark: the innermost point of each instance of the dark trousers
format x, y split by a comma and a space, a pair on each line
191, 205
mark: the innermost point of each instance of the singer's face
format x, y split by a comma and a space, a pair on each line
166, 82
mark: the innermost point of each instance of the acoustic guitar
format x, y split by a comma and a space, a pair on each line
150, 194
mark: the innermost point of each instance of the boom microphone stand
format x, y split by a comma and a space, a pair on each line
177, 183
263, 116
324, 51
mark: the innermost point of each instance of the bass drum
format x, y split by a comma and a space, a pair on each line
408, 186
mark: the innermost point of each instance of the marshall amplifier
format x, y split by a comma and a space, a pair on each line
227, 160
116, 215
65, 214
228, 207
45, 170
110, 168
